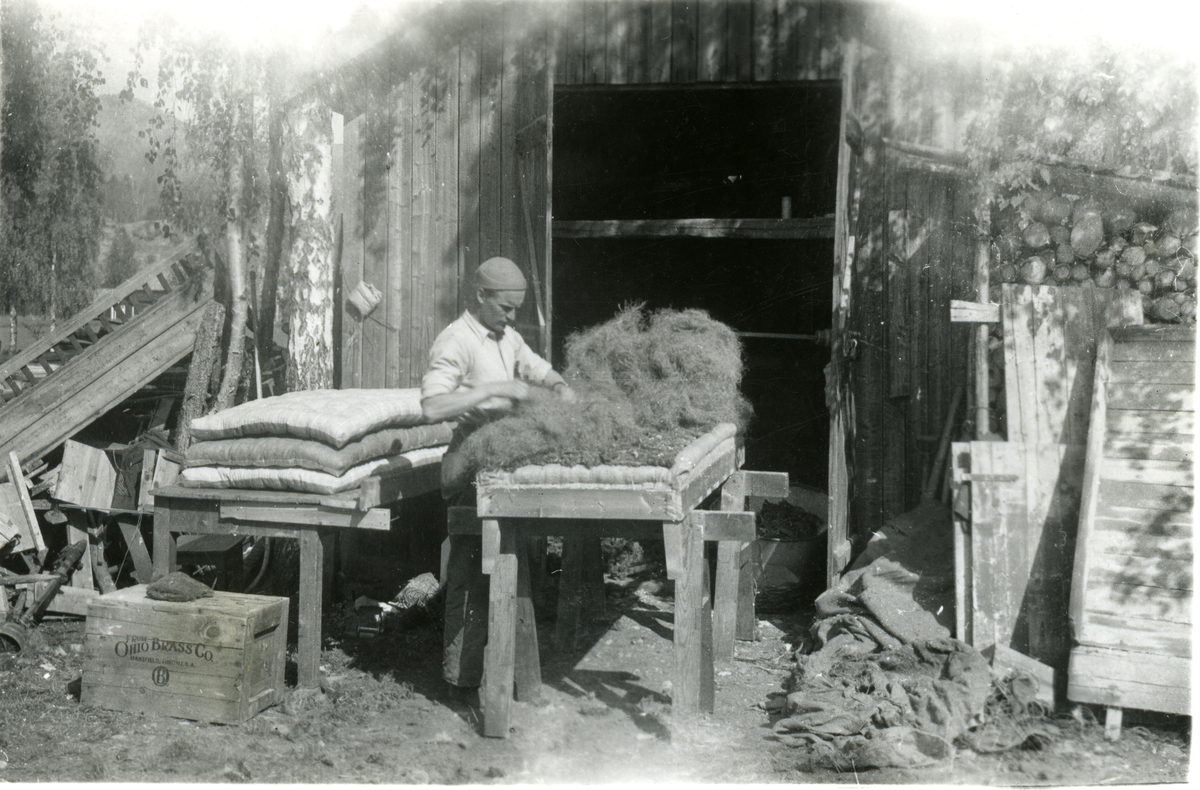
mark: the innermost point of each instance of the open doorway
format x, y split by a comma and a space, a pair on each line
714, 197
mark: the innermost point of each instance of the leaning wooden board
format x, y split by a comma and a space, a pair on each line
1015, 562
1131, 596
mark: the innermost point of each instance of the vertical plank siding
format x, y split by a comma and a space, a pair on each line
631, 42
433, 186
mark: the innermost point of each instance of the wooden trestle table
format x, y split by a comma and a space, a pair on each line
505, 514
312, 519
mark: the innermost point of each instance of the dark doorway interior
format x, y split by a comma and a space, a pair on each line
709, 153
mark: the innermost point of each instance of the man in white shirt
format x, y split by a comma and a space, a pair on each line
479, 367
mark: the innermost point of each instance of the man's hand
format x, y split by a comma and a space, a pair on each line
450, 405
515, 390
565, 392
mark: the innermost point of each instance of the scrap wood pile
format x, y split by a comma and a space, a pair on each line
316, 441
1053, 239
881, 683
647, 385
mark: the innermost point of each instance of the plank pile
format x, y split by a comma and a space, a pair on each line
1052, 239
45, 508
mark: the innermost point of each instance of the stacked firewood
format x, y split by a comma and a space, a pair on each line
1058, 240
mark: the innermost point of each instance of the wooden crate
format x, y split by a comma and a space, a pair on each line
218, 659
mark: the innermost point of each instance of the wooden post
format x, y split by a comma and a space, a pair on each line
144, 500
164, 542
491, 543
673, 547
729, 557
528, 671
734, 598
983, 420
692, 683
1112, 723
500, 654
308, 651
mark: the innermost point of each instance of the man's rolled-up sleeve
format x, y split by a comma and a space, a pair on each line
447, 368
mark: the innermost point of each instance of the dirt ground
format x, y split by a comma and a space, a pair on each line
382, 715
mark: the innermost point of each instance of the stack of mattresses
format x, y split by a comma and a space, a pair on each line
315, 441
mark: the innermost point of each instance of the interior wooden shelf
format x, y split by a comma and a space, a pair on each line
806, 228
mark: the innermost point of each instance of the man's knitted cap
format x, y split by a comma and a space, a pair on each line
500, 274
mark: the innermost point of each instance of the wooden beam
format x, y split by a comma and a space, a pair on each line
766, 484
142, 564
805, 228
323, 515
725, 525
104, 375
33, 531
974, 312
99, 305
72, 600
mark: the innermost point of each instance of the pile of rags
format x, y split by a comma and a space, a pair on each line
313, 441
882, 683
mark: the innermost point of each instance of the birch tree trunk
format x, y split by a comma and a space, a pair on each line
277, 215
235, 262
12, 309
310, 258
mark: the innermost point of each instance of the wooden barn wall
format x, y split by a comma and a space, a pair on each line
450, 166
620, 42
914, 251
445, 168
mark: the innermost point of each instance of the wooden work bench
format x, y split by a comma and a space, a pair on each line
508, 513
312, 519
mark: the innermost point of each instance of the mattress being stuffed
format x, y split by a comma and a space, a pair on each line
718, 440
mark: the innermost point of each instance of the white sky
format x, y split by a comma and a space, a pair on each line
1152, 24
300, 24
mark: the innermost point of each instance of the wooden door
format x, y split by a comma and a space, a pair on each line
838, 396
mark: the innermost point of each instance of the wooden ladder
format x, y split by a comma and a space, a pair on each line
161, 299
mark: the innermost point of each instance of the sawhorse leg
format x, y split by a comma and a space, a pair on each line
511, 657
315, 543
164, 542
737, 563
733, 601
693, 684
